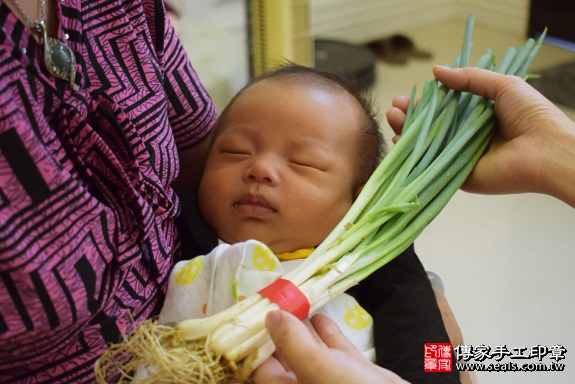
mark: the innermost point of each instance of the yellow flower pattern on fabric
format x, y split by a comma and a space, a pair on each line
263, 259
187, 274
357, 318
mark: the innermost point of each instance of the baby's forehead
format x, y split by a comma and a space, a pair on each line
304, 81
276, 85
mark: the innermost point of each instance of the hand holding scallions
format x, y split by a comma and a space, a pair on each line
441, 142
335, 360
533, 148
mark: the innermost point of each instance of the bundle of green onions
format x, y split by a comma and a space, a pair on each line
441, 142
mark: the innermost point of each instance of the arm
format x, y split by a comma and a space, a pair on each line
189, 107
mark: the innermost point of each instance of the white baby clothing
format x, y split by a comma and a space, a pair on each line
208, 284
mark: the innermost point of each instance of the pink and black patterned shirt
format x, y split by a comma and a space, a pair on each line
87, 235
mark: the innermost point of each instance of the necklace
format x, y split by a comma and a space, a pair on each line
59, 59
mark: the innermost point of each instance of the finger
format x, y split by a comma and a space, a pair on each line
400, 102
291, 337
272, 371
476, 80
332, 336
313, 331
315, 336
396, 114
395, 118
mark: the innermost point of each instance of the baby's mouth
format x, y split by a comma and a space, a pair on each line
253, 205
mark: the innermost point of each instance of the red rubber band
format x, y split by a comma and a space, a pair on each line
288, 297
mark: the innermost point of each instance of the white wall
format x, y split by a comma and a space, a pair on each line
363, 20
358, 20
213, 34
507, 15
213, 31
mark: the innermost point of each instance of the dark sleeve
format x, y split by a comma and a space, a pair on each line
401, 301
195, 234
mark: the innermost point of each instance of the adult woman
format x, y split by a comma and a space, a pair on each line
97, 99
100, 111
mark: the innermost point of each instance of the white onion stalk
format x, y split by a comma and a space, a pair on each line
441, 142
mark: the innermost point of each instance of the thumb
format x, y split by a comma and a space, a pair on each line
291, 337
286, 331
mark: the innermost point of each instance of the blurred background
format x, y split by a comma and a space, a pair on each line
507, 262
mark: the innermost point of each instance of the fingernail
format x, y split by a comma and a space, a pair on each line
272, 320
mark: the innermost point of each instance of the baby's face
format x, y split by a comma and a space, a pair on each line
282, 167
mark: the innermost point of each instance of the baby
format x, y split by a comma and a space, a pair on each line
290, 154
